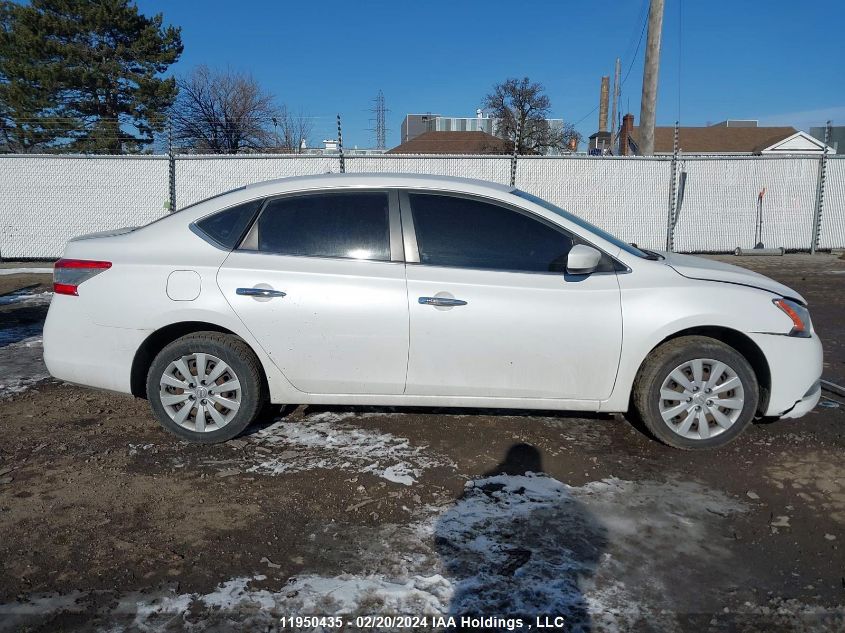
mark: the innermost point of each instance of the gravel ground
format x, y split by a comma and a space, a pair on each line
109, 523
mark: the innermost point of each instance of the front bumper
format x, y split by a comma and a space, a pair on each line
805, 404
795, 366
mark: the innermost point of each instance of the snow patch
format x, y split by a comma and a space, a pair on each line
21, 362
609, 555
25, 297
526, 544
46, 270
327, 440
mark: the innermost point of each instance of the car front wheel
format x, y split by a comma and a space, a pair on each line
206, 387
696, 392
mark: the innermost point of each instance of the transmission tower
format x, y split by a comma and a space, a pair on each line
380, 112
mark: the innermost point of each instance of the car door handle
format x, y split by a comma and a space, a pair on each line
441, 301
260, 292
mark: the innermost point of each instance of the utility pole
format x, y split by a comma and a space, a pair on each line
615, 113
650, 72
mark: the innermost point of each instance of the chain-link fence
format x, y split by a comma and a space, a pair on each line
46, 200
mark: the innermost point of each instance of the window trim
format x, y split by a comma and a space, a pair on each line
412, 249
396, 252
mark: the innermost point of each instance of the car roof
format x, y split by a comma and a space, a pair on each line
422, 181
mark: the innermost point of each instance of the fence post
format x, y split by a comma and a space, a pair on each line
340, 146
670, 218
516, 143
817, 216
171, 167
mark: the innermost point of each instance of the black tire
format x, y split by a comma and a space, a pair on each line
657, 367
238, 356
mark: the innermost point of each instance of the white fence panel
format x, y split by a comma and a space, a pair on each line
833, 214
490, 168
720, 203
626, 197
46, 200
199, 177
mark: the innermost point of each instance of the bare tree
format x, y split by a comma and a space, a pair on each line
292, 129
523, 103
223, 112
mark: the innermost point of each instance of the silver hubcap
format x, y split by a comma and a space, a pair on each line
200, 392
701, 398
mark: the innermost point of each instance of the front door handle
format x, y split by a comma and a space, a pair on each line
266, 293
441, 301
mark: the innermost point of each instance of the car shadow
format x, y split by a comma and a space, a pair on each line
274, 413
518, 544
456, 411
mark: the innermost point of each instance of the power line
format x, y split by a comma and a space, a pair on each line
680, 55
630, 66
636, 52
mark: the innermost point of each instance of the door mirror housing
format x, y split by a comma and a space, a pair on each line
582, 260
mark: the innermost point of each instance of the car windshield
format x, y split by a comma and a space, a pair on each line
628, 248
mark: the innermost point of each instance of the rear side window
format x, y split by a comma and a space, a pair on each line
453, 231
227, 227
354, 225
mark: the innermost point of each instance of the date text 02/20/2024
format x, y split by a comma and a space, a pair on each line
545, 622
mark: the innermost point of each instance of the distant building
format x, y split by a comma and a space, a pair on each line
416, 124
439, 142
727, 138
837, 137
330, 147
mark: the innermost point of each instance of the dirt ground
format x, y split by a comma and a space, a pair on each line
109, 523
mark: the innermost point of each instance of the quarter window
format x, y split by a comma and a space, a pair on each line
353, 225
228, 226
454, 231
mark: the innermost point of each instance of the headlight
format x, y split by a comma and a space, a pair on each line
799, 315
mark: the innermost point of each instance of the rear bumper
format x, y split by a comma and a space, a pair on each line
795, 365
79, 351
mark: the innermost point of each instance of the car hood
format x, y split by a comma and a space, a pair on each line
710, 270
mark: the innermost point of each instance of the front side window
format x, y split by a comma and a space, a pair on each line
455, 231
628, 248
353, 225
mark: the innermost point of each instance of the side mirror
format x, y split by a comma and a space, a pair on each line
582, 260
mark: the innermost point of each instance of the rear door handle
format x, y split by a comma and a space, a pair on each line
260, 292
441, 301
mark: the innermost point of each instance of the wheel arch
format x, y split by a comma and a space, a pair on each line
741, 342
162, 337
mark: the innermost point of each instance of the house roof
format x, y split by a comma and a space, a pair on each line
452, 143
717, 139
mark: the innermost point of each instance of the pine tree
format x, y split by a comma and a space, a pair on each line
83, 75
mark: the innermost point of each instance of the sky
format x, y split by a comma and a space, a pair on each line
779, 61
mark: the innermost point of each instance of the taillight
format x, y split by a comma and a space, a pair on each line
68, 274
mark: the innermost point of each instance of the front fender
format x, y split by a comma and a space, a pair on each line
652, 315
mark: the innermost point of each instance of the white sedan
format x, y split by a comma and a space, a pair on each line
414, 290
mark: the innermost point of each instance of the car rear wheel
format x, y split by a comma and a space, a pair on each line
696, 392
206, 387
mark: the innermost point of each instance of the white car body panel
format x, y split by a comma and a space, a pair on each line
341, 328
520, 335
710, 270
519, 342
